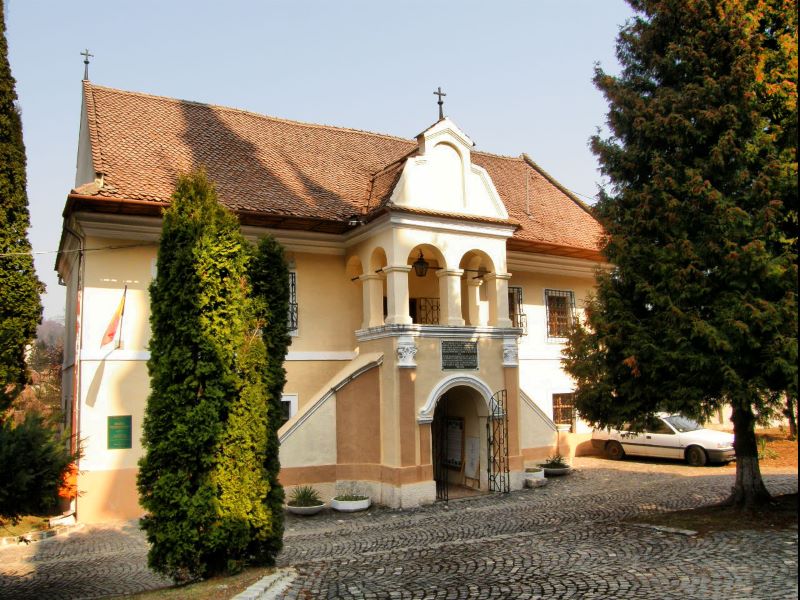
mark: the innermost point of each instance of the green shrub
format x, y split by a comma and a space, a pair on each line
555, 461
305, 495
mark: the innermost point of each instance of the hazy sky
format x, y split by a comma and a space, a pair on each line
517, 75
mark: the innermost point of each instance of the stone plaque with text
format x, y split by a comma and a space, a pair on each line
458, 355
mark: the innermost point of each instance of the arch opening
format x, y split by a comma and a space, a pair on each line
459, 442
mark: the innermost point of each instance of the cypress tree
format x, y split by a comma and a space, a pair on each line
701, 307
33, 459
202, 477
269, 276
20, 307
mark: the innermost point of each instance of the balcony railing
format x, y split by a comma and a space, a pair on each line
293, 321
519, 320
427, 311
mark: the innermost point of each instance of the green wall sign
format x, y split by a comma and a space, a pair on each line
119, 432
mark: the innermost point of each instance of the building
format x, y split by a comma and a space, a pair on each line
432, 287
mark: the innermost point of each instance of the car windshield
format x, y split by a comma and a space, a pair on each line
682, 424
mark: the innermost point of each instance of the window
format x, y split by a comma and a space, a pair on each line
516, 309
293, 321
288, 406
564, 410
560, 307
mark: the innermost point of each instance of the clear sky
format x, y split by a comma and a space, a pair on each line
517, 75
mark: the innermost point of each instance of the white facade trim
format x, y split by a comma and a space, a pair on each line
143, 355
557, 265
448, 383
435, 331
451, 224
293, 403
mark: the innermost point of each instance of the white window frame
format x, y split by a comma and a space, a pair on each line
292, 399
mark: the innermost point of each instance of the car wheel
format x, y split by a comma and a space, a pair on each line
696, 456
614, 451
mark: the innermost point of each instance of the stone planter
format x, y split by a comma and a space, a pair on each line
304, 510
556, 471
350, 505
534, 473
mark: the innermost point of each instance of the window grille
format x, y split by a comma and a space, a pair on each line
293, 317
560, 305
516, 309
564, 410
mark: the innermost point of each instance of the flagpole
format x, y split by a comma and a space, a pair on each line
121, 317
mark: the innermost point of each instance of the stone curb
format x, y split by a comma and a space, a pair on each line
38, 536
269, 587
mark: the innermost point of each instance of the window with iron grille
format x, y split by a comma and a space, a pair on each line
293, 321
516, 309
560, 305
564, 410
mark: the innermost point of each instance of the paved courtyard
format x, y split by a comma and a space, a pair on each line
565, 540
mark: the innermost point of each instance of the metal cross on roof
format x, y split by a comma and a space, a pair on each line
85, 54
440, 93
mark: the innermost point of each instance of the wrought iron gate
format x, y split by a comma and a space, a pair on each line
439, 449
497, 438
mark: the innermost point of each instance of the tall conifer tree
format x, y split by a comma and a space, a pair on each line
701, 307
20, 307
203, 478
269, 275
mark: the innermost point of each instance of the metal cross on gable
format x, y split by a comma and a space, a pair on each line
85, 54
440, 93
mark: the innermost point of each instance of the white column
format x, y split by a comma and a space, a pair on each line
397, 295
450, 297
372, 295
474, 301
497, 293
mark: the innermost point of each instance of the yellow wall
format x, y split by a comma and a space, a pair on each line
329, 304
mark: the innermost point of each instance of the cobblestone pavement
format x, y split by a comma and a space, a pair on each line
565, 540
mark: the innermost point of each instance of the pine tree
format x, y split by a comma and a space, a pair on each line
20, 308
269, 276
701, 306
202, 479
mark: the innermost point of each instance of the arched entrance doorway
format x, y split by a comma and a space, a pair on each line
459, 443
469, 450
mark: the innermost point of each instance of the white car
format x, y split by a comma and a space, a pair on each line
674, 436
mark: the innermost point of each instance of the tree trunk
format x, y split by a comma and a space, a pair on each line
749, 490
790, 413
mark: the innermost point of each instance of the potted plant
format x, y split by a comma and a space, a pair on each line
305, 500
555, 465
350, 500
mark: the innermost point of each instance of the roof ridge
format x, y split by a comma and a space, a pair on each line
532, 163
255, 114
495, 155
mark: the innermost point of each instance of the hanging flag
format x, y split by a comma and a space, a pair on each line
116, 321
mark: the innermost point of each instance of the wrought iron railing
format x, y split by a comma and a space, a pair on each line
427, 311
293, 320
520, 320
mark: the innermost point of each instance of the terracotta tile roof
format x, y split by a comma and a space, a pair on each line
277, 168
